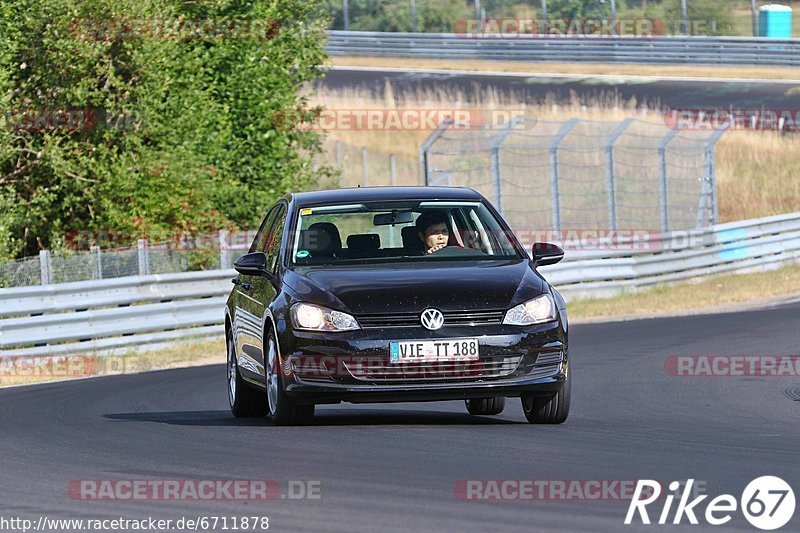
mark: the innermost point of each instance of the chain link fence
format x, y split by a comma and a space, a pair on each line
211, 252
362, 167
579, 174
541, 175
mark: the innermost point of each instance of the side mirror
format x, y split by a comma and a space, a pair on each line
253, 264
545, 253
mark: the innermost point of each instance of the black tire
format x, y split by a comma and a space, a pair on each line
486, 406
282, 410
244, 400
552, 409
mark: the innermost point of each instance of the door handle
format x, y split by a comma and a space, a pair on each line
236, 281
246, 286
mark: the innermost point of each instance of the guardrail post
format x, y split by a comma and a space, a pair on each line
364, 165
98, 261
45, 267
144, 259
662, 174
424, 161
478, 15
554, 185
392, 171
225, 250
610, 171
346, 14
414, 28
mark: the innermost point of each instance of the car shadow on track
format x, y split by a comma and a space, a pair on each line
189, 418
356, 418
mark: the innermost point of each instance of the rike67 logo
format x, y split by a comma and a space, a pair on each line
767, 503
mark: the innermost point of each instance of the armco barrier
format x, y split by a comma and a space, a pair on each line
104, 315
651, 50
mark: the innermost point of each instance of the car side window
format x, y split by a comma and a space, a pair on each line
272, 245
263, 233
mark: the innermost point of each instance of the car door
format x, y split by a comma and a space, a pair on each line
264, 287
250, 308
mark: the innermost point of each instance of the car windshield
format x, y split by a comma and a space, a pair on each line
404, 231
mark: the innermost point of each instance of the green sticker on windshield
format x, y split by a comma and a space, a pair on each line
302, 254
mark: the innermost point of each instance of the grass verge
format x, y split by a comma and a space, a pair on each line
719, 293
27, 370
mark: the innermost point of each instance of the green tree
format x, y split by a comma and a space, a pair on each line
572, 9
183, 132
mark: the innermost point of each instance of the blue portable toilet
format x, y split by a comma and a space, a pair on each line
775, 20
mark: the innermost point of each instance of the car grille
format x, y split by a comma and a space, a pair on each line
438, 371
549, 358
451, 318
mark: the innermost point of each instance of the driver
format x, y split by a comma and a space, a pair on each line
433, 231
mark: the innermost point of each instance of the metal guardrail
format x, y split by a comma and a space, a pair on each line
677, 256
651, 50
103, 315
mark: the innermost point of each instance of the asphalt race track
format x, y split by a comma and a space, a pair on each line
394, 468
663, 92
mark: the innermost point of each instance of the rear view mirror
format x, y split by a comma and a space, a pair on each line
395, 217
545, 253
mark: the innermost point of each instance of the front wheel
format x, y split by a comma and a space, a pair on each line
244, 401
282, 410
552, 409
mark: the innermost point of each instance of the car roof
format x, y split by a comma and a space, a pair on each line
373, 194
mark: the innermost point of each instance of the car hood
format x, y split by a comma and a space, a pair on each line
412, 287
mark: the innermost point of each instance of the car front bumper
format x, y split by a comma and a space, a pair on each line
354, 366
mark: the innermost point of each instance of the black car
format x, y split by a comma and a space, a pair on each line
394, 294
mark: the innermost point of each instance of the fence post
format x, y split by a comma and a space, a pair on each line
392, 170
424, 162
495, 162
610, 172
711, 171
144, 260
684, 24
364, 165
554, 185
224, 250
98, 261
45, 267
662, 174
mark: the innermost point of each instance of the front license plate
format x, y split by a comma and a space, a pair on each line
434, 350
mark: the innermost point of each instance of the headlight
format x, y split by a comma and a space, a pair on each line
537, 311
316, 318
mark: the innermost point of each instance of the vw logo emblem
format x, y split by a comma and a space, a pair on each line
432, 319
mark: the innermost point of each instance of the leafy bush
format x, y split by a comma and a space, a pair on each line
181, 133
